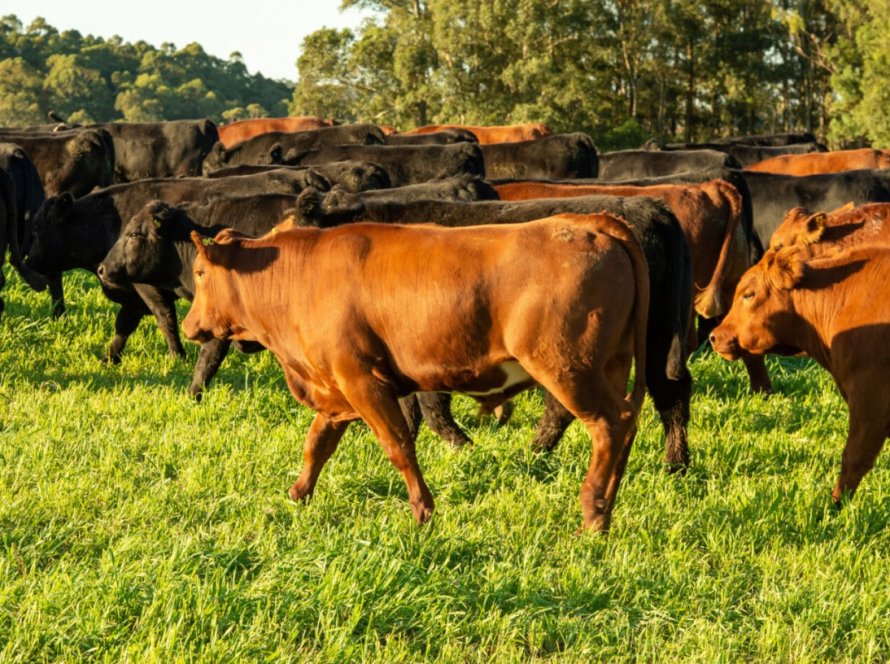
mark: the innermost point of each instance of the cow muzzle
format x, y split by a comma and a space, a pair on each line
725, 343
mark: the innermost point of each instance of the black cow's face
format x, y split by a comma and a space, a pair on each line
49, 249
145, 251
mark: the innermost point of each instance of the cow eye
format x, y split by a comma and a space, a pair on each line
748, 295
199, 273
136, 235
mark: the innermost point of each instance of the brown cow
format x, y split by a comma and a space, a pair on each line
845, 227
241, 130
495, 134
835, 308
485, 310
823, 162
709, 214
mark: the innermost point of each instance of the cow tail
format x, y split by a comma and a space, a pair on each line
621, 232
32, 278
709, 302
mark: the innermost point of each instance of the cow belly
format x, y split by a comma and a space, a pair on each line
500, 378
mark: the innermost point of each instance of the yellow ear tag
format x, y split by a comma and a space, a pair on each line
156, 222
206, 241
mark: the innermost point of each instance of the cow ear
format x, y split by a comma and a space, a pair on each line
161, 215
203, 243
276, 153
789, 266
814, 227
289, 156
64, 204
846, 207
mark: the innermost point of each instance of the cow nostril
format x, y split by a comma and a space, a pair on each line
712, 338
101, 271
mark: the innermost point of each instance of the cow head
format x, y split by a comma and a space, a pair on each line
216, 159
758, 321
800, 226
210, 316
50, 228
145, 251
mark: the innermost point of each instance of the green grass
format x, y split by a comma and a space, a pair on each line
136, 525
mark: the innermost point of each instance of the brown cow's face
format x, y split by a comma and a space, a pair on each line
758, 320
205, 319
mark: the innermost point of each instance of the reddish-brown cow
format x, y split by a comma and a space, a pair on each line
835, 308
710, 215
241, 130
823, 162
498, 134
845, 227
383, 311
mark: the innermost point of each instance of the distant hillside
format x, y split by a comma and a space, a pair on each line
92, 79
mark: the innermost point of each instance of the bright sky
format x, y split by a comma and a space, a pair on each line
268, 33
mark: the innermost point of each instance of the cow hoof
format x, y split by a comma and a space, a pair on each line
298, 492
58, 309
423, 512
679, 469
111, 359
196, 393
503, 413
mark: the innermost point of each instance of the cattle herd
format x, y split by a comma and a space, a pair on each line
387, 269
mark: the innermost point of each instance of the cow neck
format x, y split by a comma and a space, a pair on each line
818, 304
98, 225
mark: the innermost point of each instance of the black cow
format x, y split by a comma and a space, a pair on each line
670, 277
770, 139
406, 164
28, 197
70, 234
154, 248
170, 149
772, 194
347, 206
559, 156
751, 154
444, 137
9, 236
627, 164
353, 176
73, 161
279, 147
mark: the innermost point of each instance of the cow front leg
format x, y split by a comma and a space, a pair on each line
209, 360
57, 293
755, 365
162, 305
125, 323
379, 408
868, 430
322, 439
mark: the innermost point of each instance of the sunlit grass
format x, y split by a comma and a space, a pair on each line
136, 525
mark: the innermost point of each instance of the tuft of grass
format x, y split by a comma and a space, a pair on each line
136, 525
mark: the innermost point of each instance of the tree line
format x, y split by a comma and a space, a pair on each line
623, 71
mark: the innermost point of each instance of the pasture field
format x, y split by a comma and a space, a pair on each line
136, 525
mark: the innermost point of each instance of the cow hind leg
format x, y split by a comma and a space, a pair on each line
162, 305
379, 408
671, 399
57, 293
608, 418
436, 410
322, 439
552, 425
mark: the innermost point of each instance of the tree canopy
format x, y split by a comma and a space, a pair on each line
91, 79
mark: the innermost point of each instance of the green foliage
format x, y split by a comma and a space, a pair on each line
136, 525
90, 79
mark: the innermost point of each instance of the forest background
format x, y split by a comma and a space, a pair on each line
624, 71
